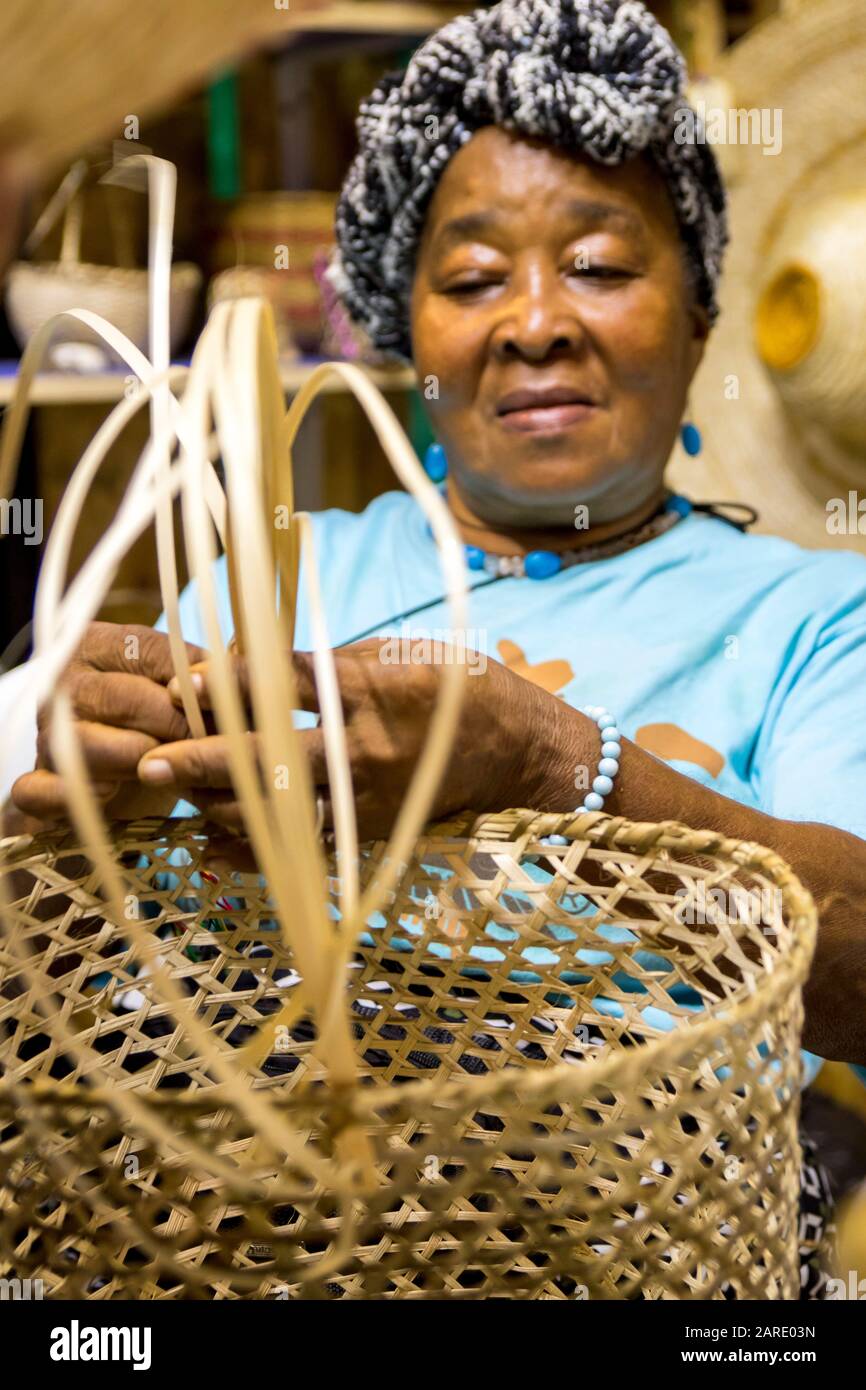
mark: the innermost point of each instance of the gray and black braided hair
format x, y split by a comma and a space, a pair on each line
592, 76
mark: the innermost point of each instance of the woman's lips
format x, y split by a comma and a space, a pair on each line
539, 418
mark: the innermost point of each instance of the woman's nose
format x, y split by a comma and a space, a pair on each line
536, 321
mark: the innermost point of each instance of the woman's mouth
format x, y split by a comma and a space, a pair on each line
539, 409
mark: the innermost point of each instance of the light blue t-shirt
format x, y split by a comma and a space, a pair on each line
752, 648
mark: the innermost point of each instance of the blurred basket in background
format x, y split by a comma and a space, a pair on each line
243, 280
37, 290
552, 1113
282, 233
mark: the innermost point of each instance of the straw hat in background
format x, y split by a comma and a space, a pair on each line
73, 71
780, 398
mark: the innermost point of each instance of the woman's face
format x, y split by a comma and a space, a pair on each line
553, 330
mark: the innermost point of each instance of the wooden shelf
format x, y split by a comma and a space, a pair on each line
378, 17
105, 388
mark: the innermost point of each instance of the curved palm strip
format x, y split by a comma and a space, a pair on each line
232, 405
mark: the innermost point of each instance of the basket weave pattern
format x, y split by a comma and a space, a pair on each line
36, 292
551, 1115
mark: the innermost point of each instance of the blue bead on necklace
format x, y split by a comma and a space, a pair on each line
543, 564
538, 564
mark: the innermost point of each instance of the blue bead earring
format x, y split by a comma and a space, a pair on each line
435, 463
691, 437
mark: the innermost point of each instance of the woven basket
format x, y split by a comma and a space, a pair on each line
303, 222
243, 281
37, 291
550, 1117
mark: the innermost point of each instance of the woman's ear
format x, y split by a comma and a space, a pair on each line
700, 326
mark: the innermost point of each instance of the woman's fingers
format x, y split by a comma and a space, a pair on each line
200, 680
128, 702
204, 762
132, 648
43, 794
109, 753
305, 681
216, 799
192, 762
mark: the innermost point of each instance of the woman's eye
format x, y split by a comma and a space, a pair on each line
594, 271
468, 287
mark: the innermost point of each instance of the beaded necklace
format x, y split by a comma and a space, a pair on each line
543, 564
538, 564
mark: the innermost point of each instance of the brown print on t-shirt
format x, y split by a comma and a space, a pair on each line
669, 741
666, 741
550, 675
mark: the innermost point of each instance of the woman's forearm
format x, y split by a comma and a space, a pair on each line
831, 863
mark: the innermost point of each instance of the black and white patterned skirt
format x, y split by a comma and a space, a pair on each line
816, 1223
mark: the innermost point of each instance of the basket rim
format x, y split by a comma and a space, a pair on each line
184, 273
564, 1079
518, 827
517, 823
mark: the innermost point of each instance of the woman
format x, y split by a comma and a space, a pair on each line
522, 223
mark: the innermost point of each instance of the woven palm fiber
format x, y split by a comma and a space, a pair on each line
788, 439
74, 73
458, 1062
537, 1132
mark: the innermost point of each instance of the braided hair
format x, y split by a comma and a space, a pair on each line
599, 77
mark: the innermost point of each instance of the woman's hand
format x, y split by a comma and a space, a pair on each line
504, 722
117, 685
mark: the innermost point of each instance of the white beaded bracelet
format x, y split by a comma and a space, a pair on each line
608, 767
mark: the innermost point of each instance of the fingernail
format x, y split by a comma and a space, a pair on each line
156, 770
198, 686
